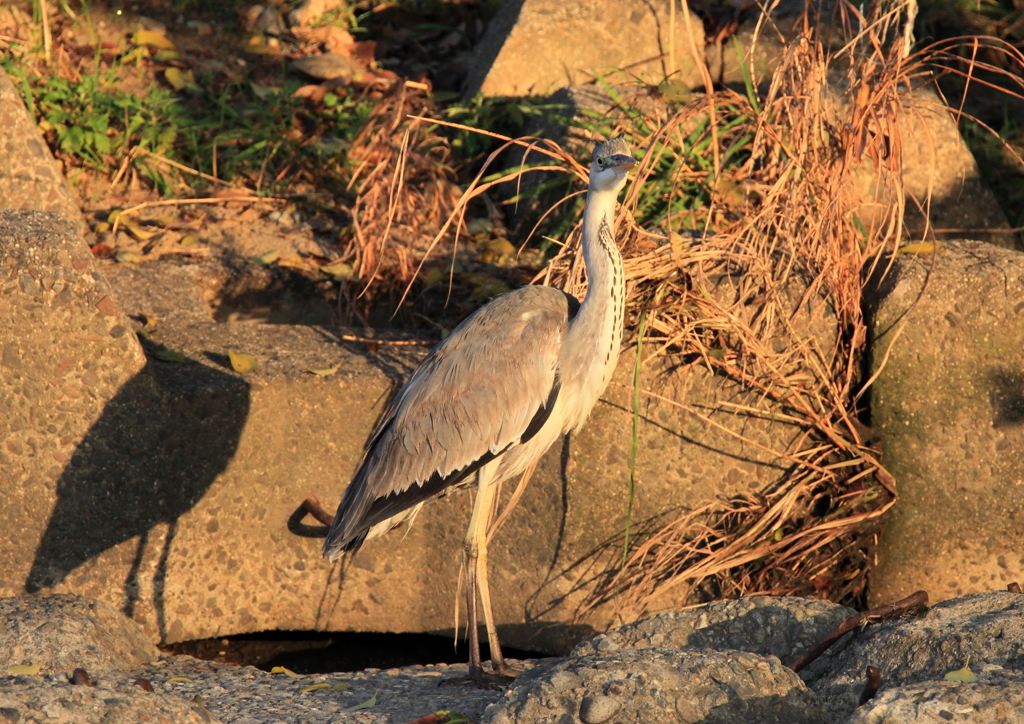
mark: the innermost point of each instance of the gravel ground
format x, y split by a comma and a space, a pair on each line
246, 695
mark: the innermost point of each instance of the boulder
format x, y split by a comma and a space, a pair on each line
170, 488
782, 626
947, 345
53, 698
659, 685
532, 47
61, 633
985, 630
30, 178
998, 696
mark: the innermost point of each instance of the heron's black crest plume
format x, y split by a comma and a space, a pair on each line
612, 147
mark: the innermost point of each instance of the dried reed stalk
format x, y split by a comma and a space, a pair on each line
404, 181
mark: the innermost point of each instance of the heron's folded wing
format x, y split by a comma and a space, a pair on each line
471, 399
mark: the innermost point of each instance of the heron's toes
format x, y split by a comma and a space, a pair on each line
482, 679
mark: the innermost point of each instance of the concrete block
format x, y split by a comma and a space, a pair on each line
949, 405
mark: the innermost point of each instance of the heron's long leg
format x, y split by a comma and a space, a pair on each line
497, 659
476, 547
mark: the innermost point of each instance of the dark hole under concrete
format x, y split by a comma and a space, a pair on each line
317, 652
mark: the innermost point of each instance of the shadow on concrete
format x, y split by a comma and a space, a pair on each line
1006, 396
152, 455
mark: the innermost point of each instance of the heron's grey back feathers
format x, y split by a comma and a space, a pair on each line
477, 394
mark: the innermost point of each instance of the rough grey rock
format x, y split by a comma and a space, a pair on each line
949, 405
246, 695
61, 633
780, 626
54, 699
532, 47
659, 685
987, 628
30, 178
997, 696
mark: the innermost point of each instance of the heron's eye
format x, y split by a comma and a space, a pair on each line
600, 162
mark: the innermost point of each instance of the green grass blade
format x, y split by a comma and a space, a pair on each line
636, 433
747, 81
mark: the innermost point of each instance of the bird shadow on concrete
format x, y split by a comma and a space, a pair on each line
150, 457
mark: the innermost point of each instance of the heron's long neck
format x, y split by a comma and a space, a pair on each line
606, 284
597, 329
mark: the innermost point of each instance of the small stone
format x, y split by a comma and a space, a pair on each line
598, 709
11, 357
564, 681
28, 284
108, 307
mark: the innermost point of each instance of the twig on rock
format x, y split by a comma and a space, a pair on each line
392, 342
874, 677
313, 507
890, 610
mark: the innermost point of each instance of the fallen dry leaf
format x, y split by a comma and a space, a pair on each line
128, 257
325, 372
268, 258
241, 362
368, 704
922, 248
25, 670
148, 37
286, 672
964, 675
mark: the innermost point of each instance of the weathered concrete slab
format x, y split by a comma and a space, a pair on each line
30, 178
179, 503
949, 405
66, 349
532, 47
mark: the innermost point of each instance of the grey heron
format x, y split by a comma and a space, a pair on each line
489, 400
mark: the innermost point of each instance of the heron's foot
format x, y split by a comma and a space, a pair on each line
504, 670
482, 679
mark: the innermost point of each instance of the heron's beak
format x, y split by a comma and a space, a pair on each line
620, 159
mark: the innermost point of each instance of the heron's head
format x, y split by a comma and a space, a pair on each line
612, 161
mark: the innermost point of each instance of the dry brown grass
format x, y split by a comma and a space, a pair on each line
404, 183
